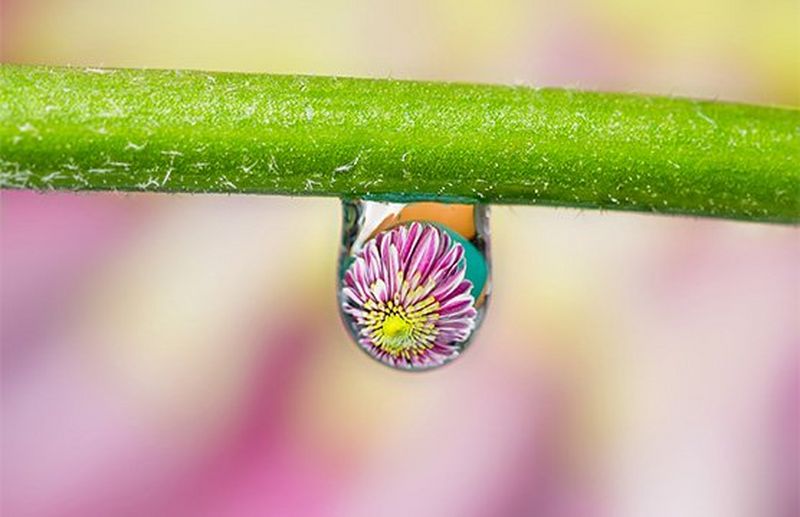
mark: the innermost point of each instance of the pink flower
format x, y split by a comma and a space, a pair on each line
407, 299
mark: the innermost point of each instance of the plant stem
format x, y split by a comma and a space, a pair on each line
178, 131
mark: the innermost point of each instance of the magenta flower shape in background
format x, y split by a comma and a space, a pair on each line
406, 292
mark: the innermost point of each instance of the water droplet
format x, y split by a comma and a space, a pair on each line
414, 279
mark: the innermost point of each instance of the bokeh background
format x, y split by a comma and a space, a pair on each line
182, 355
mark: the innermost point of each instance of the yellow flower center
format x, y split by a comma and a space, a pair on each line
402, 331
397, 331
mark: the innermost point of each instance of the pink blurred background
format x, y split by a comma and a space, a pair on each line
182, 355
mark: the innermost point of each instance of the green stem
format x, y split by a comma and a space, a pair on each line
176, 131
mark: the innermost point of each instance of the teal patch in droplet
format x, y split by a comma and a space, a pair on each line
477, 271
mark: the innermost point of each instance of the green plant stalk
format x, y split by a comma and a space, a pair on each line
179, 131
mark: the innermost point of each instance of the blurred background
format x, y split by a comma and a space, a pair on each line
182, 355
